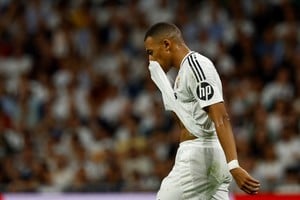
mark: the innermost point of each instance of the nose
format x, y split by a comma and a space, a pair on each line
150, 57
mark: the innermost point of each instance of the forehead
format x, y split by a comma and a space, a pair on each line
150, 43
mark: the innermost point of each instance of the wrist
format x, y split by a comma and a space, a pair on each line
233, 164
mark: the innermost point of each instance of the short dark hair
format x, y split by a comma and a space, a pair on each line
163, 29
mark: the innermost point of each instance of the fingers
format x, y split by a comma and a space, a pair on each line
251, 187
254, 180
246, 183
249, 190
253, 183
245, 189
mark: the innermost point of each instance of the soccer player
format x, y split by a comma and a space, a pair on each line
206, 159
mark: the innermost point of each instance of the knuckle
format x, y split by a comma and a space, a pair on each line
243, 184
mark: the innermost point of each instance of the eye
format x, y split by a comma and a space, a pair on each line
150, 52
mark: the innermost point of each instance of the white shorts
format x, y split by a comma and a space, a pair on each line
200, 172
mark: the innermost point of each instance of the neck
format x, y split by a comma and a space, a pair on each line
180, 53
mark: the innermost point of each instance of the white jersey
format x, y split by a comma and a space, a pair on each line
197, 86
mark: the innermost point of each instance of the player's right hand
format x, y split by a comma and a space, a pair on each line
245, 182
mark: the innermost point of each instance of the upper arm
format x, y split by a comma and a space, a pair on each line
204, 82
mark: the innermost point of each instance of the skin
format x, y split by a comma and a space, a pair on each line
169, 52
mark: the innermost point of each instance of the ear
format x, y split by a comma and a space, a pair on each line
167, 44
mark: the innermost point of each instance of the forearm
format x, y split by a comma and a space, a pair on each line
226, 138
218, 114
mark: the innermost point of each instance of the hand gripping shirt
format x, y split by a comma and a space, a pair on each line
197, 86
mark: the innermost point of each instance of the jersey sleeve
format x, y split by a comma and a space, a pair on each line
204, 82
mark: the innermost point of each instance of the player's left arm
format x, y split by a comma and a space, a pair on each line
217, 112
205, 84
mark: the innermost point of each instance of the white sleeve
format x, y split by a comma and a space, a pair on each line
204, 83
162, 82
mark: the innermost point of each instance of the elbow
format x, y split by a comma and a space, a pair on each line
222, 120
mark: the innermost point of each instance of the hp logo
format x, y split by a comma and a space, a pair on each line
205, 91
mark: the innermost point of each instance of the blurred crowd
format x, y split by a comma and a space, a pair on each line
79, 113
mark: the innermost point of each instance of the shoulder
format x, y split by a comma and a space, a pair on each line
195, 59
202, 60
198, 65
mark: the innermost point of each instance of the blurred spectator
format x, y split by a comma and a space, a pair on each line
291, 183
269, 169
